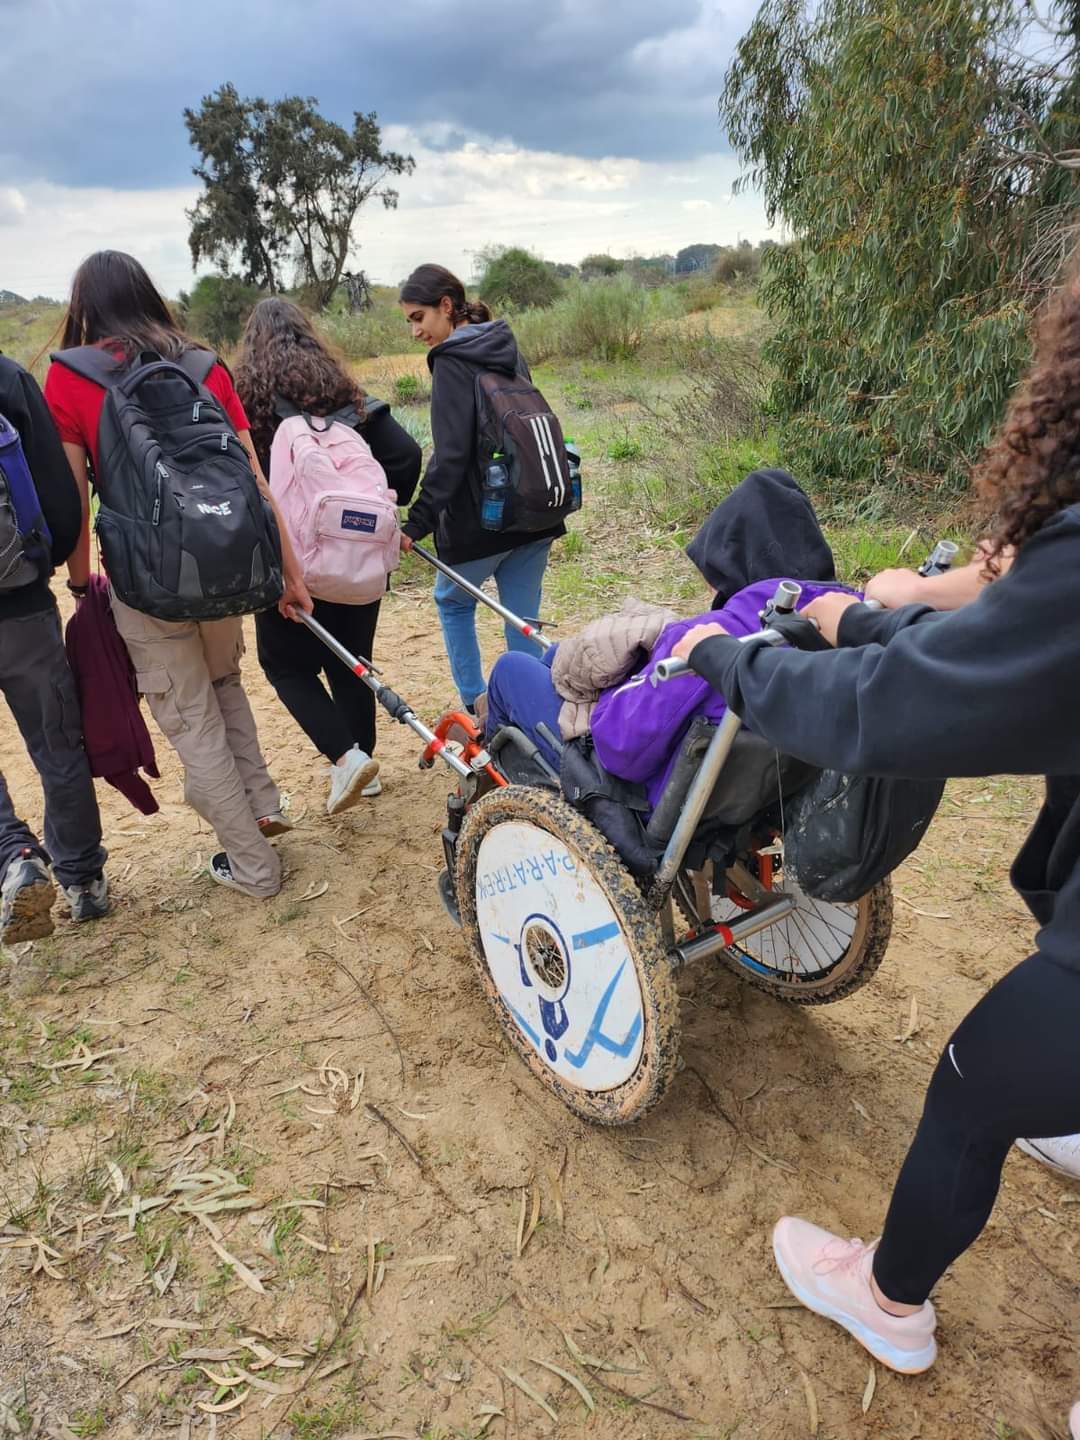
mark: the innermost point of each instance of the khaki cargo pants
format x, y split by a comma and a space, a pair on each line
190, 674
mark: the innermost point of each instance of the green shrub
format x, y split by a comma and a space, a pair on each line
218, 307
378, 331
516, 279
625, 448
409, 389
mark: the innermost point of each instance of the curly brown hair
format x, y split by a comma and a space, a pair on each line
281, 356
1032, 468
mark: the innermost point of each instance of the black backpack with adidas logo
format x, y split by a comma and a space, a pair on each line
185, 533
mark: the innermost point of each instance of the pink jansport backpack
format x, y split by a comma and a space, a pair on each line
340, 512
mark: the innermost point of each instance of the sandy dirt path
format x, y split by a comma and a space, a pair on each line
214, 1008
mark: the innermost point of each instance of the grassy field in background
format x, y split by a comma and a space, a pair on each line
665, 433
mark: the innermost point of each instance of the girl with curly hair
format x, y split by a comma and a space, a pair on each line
990, 688
282, 358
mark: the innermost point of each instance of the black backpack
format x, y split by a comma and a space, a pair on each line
184, 531
515, 420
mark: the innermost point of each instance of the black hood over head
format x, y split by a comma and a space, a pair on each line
765, 527
488, 346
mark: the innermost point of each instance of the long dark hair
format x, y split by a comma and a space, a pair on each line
430, 284
1032, 468
281, 355
114, 300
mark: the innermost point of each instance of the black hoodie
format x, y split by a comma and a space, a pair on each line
992, 689
449, 498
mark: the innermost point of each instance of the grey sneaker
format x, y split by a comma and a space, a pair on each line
89, 901
26, 900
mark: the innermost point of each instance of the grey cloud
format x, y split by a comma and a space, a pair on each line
93, 94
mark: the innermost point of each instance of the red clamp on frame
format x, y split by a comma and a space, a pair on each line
469, 737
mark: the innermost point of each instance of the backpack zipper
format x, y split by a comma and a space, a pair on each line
162, 474
224, 440
195, 412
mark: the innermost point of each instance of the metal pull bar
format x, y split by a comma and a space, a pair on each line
531, 629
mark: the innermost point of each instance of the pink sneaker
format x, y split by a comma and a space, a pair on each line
831, 1276
1074, 1421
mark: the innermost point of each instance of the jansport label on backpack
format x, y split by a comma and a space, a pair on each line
185, 533
516, 421
333, 496
25, 542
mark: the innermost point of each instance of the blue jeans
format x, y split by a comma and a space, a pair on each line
521, 693
519, 576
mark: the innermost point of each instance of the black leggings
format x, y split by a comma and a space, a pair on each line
293, 660
1011, 1069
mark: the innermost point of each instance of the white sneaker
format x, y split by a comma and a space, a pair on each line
1061, 1154
348, 779
373, 788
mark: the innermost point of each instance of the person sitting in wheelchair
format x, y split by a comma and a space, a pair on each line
596, 683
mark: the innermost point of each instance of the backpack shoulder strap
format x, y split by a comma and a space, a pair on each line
92, 363
372, 409
198, 363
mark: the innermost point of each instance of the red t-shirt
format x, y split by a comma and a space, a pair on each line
76, 402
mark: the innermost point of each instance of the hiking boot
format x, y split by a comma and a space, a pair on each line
348, 779
26, 900
89, 901
1061, 1154
831, 1276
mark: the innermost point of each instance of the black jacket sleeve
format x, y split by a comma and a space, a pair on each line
24, 405
993, 688
396, 451
453, 431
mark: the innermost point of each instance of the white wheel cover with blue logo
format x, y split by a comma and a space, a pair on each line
556, 952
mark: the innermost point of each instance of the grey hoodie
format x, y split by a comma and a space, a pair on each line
449, 500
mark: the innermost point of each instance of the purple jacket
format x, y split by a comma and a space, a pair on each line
638, 728
117, 741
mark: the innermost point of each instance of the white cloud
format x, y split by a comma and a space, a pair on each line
479, 191
12, 205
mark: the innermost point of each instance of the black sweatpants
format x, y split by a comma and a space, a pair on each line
39, 687
1011, 1069
293, 660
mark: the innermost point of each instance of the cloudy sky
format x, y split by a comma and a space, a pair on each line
564, 125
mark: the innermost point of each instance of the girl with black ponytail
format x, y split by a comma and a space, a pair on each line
463, 341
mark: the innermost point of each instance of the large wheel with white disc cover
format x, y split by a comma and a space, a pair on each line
568, 954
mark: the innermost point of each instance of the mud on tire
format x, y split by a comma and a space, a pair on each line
640, 933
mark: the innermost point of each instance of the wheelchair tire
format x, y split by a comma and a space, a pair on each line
819, 954
568, 954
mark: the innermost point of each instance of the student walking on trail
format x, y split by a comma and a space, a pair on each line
40, 520
473, 358
990, 688
290, 382
188, 669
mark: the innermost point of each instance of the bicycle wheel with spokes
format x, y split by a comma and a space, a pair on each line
821, 952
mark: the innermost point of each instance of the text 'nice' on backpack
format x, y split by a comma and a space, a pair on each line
517, 424
333, 496
25, 542
184, 531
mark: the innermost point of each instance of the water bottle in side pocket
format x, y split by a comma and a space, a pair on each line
496, 489
573, 459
